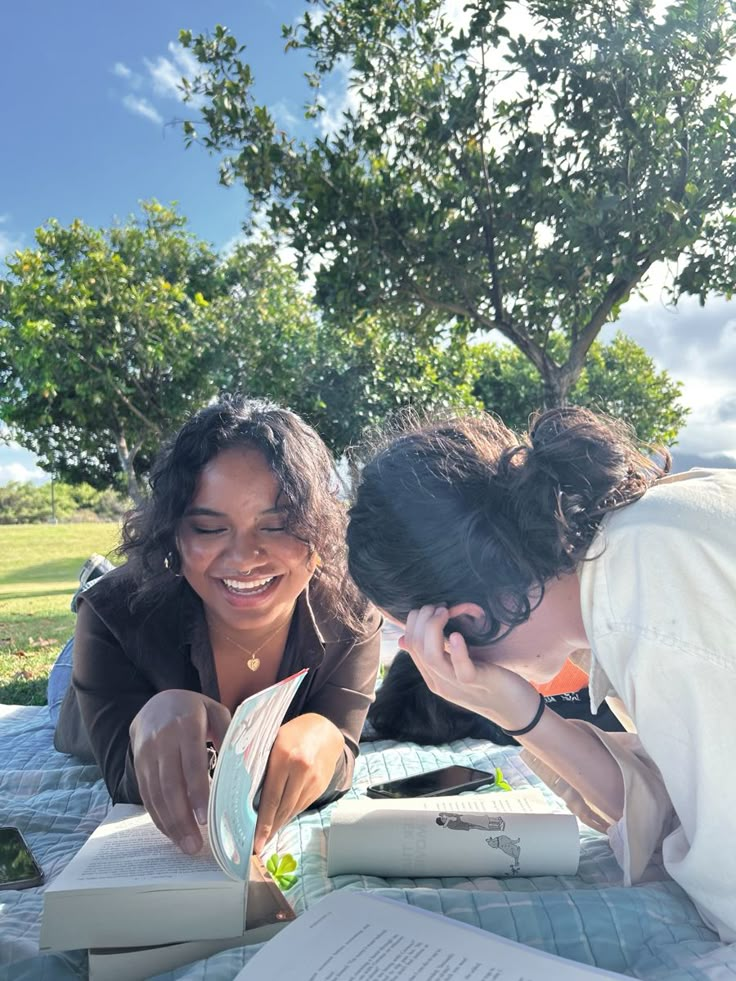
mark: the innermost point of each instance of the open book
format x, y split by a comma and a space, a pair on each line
351, 936
493, 834
129, 885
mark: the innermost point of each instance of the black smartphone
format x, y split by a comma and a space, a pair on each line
18, 868
435, 783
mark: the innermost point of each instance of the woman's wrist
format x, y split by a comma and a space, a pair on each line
533, 722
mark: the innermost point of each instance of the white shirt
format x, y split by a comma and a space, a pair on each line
659, 608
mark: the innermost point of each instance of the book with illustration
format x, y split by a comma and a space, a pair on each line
129, 885
514, 833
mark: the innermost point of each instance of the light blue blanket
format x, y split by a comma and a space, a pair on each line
648, 931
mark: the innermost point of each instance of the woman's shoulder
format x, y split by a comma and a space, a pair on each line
698, 501
114, 595
364, 623
111, 591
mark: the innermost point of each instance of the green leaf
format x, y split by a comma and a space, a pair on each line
280, 868
501, 782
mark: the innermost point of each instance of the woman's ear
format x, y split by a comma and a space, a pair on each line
472, 610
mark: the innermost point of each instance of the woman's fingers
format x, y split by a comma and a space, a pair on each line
427, 644
465, 671
280, 800
173, 804
169, 741
195, 770
434, 642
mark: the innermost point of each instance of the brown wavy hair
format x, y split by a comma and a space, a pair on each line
465, 510
308, 490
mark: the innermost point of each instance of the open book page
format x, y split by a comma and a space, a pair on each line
241, 764
128, 849
498, 834
351, 936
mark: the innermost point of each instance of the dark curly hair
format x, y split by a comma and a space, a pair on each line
305, 473
464, 510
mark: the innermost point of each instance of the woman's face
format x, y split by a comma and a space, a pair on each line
235, 552
538, 648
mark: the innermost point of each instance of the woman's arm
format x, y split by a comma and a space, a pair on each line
110, 693
574, 752
150, 744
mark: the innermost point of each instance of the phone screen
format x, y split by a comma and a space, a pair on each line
17, 864
436, 783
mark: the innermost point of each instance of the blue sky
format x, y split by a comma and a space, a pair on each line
88, 130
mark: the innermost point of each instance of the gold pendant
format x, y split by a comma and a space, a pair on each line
253, 663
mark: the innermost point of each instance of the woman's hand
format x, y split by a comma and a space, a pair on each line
169, 741
300, 767
449, 671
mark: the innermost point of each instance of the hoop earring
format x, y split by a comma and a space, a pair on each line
169, 564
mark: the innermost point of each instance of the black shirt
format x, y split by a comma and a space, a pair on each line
122, 659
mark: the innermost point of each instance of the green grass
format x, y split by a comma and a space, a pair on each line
39, 572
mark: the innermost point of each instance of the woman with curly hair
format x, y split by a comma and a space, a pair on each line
505, 555
235, 578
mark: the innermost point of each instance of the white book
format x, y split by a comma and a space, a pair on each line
516, 833
268, 911
355, 936
130, 886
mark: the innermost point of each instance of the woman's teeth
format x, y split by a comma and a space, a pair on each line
250, 588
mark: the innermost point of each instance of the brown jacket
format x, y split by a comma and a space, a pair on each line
122, 659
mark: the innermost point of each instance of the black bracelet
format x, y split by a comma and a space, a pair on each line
537, 716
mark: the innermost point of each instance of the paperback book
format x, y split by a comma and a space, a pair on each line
129, 885
514, 833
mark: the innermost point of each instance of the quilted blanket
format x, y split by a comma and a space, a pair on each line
648, 931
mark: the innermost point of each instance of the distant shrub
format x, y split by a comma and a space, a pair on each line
24, 503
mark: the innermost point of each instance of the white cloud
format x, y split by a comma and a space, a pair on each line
161, 80
696, 346
20, 472
166, 73
142, 107
454, 11
283, 115
338, 99
228, 247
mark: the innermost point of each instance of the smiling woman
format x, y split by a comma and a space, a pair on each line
235, 579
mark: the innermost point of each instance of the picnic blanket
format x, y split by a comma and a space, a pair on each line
649, 931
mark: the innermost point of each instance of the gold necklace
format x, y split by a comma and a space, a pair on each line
254, 662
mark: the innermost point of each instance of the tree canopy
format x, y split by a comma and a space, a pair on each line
520, 172
110, 338
619, 378
105, 342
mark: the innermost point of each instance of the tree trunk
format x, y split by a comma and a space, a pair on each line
126, 458
558, 380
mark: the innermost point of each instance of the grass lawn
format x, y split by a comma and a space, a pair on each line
39, 572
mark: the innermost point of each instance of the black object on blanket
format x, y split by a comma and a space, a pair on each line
406, 710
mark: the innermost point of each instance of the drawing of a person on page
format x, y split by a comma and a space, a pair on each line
458, 822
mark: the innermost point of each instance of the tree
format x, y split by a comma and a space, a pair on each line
520, 174
619, 379
341, 377
372, 368
106, 342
